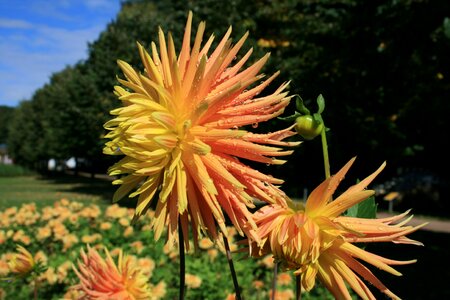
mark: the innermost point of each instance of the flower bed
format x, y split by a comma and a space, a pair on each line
56, 234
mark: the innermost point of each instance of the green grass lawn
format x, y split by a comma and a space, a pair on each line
15, 191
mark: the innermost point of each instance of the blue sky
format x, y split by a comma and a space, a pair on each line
40, 37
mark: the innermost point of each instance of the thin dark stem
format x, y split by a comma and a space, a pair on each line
182, 262
298, 287
231, 265
274, 280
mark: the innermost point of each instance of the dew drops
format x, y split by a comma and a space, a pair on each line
255, 125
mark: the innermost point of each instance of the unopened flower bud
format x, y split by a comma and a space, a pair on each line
308, 127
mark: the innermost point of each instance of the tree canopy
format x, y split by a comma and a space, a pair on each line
382, 67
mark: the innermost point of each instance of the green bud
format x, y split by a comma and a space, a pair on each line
308, 127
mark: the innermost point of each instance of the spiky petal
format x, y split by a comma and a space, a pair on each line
104, 279
179, 129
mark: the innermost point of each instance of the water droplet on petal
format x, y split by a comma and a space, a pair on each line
255, 125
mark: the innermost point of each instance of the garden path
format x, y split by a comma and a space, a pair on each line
435, 225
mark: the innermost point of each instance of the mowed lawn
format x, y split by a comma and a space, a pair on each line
44, 190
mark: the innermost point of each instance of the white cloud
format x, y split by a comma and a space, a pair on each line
29, 58
41, 37
14, 24
97, 3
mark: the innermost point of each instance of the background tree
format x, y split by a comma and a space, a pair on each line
382, 67
6, 114
25, 142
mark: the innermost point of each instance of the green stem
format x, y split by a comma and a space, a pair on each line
232, 270
274, 280
326, 161
35, 288
298, 287
182, 262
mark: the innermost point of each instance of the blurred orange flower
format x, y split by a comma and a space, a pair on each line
68, 241
193, 281
105, 225
284, 279
43, 233
212, 253
4, 267
147, 266
282, 295
316, 241
22, 262
258, 284
128, 231
49, 276
2, 236
138, 246
231, 296
205, 243
92, 238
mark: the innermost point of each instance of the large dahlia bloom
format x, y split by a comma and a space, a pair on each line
316, 241
179, 131
103, 279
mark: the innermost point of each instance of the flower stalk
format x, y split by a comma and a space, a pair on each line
182, 264
274, 280
35, 290
326, 161
232, 270
298, 287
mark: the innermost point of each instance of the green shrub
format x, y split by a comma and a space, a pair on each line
13, 170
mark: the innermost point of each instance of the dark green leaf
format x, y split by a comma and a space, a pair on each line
366, 209
290, 118
320, 103
301, 106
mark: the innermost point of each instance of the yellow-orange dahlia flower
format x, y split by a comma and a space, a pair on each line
179, 131
315, 240
22, 262
103, 279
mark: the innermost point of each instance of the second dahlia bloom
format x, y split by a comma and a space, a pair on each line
102, 279
315, 240
22, 262
179, 131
